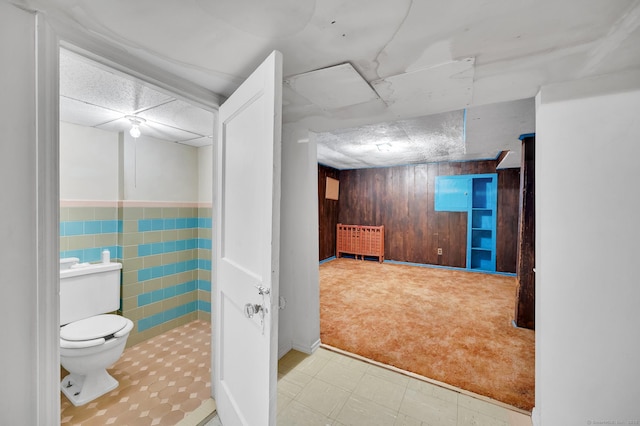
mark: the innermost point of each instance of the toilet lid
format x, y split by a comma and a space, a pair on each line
93, 327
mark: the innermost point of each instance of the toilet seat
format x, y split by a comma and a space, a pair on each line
93, 331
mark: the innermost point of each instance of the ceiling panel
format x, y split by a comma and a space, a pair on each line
498, 126
419, 140
84, 114
181, 115
95, 96
431, 90
151, 129
86, 81
333, 87
198, 142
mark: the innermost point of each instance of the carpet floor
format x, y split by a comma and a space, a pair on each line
451, 326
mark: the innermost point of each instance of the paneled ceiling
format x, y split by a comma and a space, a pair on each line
412, 58
95, 96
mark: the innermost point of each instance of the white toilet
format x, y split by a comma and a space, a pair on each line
90, 342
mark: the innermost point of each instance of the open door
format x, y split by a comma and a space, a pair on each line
246, 254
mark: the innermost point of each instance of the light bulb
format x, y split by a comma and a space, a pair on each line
135, 125
135, 131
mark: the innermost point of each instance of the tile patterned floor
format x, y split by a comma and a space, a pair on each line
328, 388
165, 378
161, 380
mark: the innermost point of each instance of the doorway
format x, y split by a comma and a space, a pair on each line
401, 198
145, 197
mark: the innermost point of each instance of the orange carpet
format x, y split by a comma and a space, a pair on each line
451, 326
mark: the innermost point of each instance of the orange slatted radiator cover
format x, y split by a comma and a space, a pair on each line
360, 240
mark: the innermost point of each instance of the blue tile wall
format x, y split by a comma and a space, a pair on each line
165, 293
93, 254
89, 227
201, 225
86, 231
168, 315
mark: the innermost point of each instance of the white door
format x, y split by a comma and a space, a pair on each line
246, 257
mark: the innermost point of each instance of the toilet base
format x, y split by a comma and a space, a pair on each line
81, 389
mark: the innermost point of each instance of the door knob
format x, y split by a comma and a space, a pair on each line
250, 309
263, 290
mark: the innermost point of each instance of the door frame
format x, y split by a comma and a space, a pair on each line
67, 34
51, 34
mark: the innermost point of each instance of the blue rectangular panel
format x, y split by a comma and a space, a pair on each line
169, 224
169, 292
204, 306
144, 274
204, 285
92, 254
92, 227
144, 299
157, 224
144, 250
144, 225
73, 228
109, 226
452, 193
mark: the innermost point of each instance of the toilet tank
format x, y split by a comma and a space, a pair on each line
88, 289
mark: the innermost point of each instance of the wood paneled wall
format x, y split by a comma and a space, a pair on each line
525, 315
327, 213
402, 199
508, 212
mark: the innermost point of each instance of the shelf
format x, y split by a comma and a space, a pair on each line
482, 239
482, 259
475, 194
482, 188
481, 242
482, 219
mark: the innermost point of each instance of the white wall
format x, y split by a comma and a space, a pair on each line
156, 170
587, 190
28, 219
88, 163
299, 326
18, 219
93, 168
205, 174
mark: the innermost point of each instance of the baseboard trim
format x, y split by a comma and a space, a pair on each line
328, 259
535, 417
452, 268
282, 350
307, 349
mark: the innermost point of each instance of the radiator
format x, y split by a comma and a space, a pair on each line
360, 241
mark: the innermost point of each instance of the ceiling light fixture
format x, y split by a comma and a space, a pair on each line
135, 125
